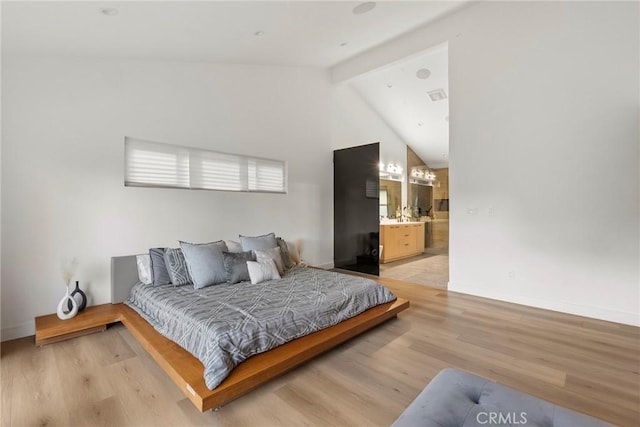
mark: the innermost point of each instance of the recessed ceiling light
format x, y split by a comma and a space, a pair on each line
423, 73
389, 85
109, 11
437, 95
419, 123
364, 7
258, 33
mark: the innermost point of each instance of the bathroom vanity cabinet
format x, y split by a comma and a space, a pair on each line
401, 240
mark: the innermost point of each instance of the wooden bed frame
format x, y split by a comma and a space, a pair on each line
188, 372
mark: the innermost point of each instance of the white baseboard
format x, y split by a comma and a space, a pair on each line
326, 265
600, 313
18, 331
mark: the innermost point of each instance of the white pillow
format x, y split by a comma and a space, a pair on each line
233, 246
144, 268
293, 252
261, 271
275, 254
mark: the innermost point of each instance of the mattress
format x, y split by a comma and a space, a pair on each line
223, 325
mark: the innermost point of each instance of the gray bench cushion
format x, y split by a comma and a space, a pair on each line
456, 398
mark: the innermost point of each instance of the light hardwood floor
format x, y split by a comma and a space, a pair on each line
108, 379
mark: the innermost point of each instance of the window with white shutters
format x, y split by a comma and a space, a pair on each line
153, 164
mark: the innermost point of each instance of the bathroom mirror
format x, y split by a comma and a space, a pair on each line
390, 197
420, 200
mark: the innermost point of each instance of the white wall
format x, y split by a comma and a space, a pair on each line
544, 108
354, 122
62, 166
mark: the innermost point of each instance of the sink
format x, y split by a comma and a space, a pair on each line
395, 221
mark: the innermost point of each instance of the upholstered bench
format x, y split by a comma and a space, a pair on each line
455, 399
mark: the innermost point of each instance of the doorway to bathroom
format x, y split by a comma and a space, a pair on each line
407, 106
424, 223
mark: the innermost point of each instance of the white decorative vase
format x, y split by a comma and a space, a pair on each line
64, 315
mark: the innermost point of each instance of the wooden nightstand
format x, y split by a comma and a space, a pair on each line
50, 329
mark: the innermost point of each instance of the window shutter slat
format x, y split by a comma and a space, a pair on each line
266, 175
159, 164
216, 171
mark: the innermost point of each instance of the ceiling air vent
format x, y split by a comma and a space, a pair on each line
437, 95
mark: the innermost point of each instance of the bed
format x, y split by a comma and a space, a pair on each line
231, 368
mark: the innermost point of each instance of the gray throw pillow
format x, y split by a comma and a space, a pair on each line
258, 243
177, 267
235, 264
159, 273
233, 246
286, 258
205, 263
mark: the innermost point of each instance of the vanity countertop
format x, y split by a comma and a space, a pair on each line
402, 223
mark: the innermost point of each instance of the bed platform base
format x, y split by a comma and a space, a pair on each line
188, 373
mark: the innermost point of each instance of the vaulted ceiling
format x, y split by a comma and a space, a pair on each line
400, 95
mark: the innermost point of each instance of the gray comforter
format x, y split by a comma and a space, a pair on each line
223, 325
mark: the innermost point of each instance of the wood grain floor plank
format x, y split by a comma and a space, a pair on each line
308, 402
396, 387
37, 381
132, 383
267, 411
79, 375
367, 404
109, 348
102, 413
